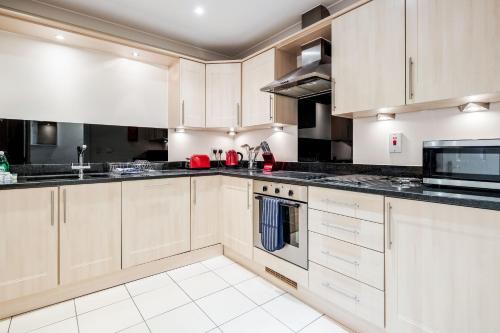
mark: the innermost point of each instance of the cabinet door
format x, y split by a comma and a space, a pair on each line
90, 239
454, 47
236, 211
192, 93
155, 219
442, 269
28, 238
368, 57
205, 193
258, 106
224, 95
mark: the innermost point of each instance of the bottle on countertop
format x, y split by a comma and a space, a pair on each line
4, 164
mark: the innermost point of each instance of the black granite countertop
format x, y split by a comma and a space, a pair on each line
476, 199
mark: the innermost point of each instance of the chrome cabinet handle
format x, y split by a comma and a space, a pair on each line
355, 298
410, 78
248, 195
329, 225
182, 113
52, 206
194, 191
238, 115
270, 107
389, 226
64, 205
352, 262
346, 204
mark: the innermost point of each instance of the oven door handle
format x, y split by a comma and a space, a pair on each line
286, 204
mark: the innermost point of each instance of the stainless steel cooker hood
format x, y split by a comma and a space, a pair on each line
313, 78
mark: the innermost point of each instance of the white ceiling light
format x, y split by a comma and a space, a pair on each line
59, 37
180, 130
277, 128
231, 132
386, 116
474, 107
199, 10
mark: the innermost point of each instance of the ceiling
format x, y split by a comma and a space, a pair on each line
228, 27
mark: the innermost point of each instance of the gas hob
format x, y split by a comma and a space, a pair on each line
372, 181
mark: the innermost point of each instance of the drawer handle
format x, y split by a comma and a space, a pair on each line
355, 298
352, 262
354, 205
329, 225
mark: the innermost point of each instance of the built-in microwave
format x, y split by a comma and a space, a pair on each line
462, 163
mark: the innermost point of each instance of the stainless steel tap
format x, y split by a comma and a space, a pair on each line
80, 166
252, 153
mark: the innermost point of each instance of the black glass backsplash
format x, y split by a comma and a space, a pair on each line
43, 142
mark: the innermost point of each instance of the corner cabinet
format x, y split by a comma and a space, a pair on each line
261, 108
205, 196
223, 94
452, 49
155, 220
90, 231
186, 94
442, 268
368, 57
236, 214
28, 238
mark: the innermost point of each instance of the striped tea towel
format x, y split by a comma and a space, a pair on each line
271, 224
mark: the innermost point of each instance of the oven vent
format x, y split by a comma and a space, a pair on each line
281, 277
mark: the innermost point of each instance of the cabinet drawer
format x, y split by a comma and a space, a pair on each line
352, 260
360, 205
349, 229
365, 301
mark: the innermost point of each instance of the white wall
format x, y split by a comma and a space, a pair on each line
53, 82
182, 145
371, 137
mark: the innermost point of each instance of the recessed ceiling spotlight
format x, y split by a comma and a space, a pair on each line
135, 54
277, 128
386, 116
199, 10
180, 130
59, 37
474, 107
231, 132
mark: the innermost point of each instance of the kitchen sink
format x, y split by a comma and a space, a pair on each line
49, 178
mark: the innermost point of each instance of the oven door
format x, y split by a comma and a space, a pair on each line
295, 232
474, 164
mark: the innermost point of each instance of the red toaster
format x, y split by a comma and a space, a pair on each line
199, 162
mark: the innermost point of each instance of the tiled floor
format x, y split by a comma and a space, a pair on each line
216, 295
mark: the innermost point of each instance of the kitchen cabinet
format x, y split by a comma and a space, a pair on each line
205, 196
368, 57
90, 231
223, 93
28, 238
442, 268
452, 49
236, 215
186, 99
261, 108
155, 219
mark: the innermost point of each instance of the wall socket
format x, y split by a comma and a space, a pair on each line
395, 143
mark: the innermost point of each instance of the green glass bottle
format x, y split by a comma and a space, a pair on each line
4, 164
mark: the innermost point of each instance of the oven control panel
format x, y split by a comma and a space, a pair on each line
281, 190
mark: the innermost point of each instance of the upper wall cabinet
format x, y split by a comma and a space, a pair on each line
186, 94
223, 95
260, 108
368, 65
452, 48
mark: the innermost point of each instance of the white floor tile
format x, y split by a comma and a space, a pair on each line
187, 272
141, 328
215, 330
4, 325
225, 305
203, 285
160, 300
65, 326
289, 310
234, 273
149, 283
186, 319
259, 290
255, 321
324, 325
217, 262
111, 318
42, 317
101, 298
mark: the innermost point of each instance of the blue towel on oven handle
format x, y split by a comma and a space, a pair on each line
272, 224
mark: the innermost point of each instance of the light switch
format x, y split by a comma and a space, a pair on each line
395, 143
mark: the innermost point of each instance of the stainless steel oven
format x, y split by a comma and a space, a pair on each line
294, 211
462, 163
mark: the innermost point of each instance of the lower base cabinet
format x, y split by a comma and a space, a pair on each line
205, 229
28, 241
442, 268
156, 219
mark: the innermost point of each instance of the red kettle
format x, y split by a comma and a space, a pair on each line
232, 158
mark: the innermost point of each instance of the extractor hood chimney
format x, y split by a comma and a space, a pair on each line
314, 77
